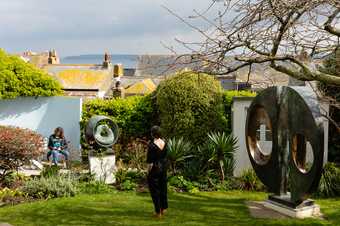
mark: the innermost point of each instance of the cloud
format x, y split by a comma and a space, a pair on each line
92, 26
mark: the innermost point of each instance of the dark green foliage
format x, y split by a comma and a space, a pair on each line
178, 152
249, 181
128, 179
182, 184
332, 66
213, 162
330, 181
18, 78
134, 115
190, 106
222, 148
226, 185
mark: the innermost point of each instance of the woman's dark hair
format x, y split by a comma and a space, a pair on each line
156, 132
59, 131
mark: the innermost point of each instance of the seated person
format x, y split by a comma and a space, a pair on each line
57, 145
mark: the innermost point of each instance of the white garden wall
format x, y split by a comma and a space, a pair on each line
43, 115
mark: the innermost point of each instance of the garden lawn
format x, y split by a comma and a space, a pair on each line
128, 208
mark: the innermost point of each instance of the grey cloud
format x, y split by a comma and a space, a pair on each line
71, 24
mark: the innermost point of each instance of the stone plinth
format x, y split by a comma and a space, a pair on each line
103, 168
302, 211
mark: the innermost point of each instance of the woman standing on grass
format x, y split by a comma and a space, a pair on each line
157, 178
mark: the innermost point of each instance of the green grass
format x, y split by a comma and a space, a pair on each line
124, 208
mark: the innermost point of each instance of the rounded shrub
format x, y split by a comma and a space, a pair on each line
18, 78
17, 147
191, 105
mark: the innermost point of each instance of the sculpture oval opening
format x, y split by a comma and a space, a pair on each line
260, 136
302, 153
104, 132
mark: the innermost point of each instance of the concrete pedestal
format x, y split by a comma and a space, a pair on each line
103, 168
297, 212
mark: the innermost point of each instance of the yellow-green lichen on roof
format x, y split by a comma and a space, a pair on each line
141, 88
82, 77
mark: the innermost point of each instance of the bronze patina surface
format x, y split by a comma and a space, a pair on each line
292, 115
101, 131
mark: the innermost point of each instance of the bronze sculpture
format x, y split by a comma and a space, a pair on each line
293, 119
101, 132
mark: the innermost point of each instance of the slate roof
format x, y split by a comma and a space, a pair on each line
154, 66
162, 65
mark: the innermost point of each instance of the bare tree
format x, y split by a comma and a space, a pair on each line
289, 35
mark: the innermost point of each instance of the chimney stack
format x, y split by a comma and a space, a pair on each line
118, 70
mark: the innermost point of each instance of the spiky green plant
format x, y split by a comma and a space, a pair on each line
178, 151
330, 181
222, 148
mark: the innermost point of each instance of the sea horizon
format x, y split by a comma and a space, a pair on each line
128, 60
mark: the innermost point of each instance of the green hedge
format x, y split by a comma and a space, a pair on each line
18, 78
134, 115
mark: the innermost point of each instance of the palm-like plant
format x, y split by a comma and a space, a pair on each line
178, 151
330, 181
222, 148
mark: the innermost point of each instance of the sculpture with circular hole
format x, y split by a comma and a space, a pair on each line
101, 132
289, 119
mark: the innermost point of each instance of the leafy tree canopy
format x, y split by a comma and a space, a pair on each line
18, 78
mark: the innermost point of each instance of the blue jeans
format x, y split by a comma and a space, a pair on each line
55, 155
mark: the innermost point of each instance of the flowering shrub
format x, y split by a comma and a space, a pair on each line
17, 147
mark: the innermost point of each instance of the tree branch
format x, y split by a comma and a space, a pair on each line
328, 24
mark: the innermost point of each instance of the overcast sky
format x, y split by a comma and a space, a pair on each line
76, 27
